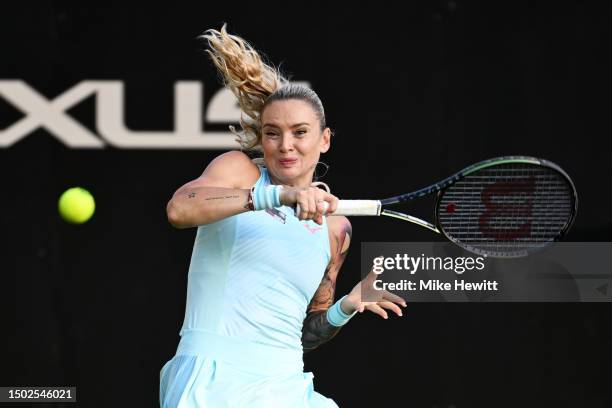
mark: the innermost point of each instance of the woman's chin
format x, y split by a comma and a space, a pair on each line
286, 175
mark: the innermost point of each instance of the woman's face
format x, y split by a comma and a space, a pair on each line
292, 141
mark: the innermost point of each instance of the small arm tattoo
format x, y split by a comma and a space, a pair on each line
221, 197
191, 195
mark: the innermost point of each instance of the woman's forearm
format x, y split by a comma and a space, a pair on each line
190, 207
317, 330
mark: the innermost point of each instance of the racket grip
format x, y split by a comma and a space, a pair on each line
352, 207
358, 207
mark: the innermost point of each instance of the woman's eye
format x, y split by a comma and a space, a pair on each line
301, 132
271, 134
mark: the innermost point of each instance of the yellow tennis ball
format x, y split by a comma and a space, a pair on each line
76, 205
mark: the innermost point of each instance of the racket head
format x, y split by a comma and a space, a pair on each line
507, 207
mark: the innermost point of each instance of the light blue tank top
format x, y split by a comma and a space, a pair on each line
253, 275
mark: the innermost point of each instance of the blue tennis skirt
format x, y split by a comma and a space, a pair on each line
216, 371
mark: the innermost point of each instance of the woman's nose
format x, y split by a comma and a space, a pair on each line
287, 144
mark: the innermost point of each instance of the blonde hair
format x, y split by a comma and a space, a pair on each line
254, 82
249, 78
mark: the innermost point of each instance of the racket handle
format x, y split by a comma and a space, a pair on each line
358, 207
352, 207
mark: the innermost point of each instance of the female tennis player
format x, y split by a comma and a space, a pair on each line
261, 279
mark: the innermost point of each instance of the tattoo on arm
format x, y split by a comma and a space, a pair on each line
316, 329
221, 197
192, 194
324, 296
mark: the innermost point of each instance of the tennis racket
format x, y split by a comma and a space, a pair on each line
502, 207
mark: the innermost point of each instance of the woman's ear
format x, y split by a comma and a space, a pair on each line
325, 140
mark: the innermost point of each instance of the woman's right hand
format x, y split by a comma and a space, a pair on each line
311, 201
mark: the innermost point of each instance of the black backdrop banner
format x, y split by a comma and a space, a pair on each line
121, 99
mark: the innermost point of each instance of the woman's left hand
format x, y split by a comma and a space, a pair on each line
378, 300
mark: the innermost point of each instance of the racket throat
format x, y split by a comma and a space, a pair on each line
409, 218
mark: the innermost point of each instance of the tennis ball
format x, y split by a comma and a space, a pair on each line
76, 205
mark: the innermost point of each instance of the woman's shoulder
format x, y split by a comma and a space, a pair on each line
340, 233
235, 168
339, 225
235, 157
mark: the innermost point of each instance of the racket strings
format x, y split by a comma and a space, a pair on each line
506, 209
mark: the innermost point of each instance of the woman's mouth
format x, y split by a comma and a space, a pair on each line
287, 162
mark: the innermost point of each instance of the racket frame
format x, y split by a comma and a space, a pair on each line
509, 160
376, 207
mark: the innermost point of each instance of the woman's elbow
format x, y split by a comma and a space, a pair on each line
181, 217
175, 215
